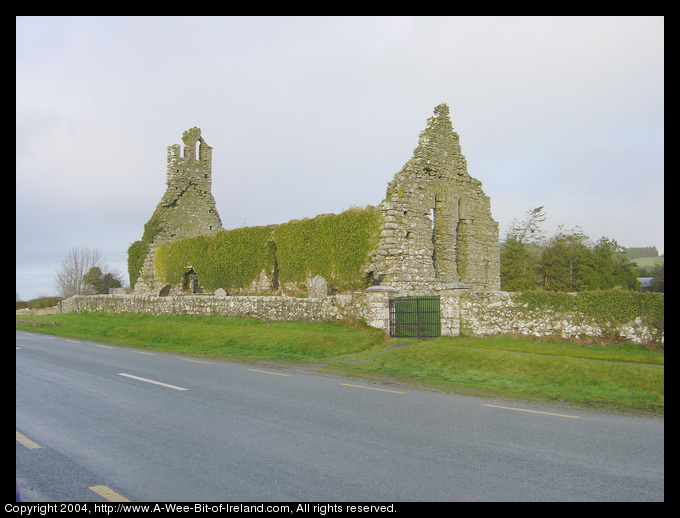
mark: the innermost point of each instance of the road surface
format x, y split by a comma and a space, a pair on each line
96, 423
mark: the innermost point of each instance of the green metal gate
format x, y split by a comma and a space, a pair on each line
415, 317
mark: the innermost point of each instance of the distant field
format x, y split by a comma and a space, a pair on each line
651, 262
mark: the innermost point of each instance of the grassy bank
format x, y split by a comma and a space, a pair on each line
623, 377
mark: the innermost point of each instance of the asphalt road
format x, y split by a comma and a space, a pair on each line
96, 422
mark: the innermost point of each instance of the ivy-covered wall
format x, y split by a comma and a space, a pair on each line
608, 316
335, 246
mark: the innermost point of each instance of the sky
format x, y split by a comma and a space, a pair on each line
314, 115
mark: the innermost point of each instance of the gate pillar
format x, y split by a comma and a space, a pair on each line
449, 300
377, 311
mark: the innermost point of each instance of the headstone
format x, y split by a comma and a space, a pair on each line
318, 289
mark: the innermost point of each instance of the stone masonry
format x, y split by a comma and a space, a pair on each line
187, 208
437, 229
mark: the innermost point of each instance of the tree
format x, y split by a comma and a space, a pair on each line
657, 281
571, 263
518, 265
97, 282
565, 264
78, 262
612, 267
521, 252
70, 279
528, 231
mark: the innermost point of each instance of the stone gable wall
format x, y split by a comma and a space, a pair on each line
437, 227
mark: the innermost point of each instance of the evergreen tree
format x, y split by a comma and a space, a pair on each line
520, 252
98, 282
570, 263
657, 281
519, 263
566, 264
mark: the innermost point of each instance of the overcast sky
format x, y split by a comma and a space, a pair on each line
313, 115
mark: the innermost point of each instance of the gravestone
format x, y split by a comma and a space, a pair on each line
318, 288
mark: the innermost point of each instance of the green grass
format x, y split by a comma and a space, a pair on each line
623, 377
213, 337
648, 262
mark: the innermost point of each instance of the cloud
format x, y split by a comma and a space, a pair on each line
312, 115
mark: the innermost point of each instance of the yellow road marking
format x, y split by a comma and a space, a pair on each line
533, 411
143, 352
74, 341
269, 372
196, 361
27, 442
103, 346
371, 388
109, 494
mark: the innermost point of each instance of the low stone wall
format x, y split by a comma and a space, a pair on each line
462, 312
497, 313
42, 311
263, 308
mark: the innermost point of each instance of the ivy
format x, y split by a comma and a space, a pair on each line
335, 246
136, 254
613, 306
229, 259
153, 226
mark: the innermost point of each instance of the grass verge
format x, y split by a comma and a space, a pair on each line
623, 378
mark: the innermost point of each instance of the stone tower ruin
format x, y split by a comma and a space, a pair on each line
187, 208
437, 226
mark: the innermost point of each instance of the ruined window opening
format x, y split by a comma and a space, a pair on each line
444, 240
190, 283
431, 215
190, 151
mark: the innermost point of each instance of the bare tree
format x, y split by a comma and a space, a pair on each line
69, 280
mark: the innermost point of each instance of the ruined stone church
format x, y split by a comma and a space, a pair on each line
436, 228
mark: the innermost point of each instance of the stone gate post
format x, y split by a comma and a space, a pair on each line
377, 311
449, 306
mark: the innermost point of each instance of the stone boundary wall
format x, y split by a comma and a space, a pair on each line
263, 308
475, 313
496, 313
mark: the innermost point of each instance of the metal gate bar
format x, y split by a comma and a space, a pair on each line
415, 317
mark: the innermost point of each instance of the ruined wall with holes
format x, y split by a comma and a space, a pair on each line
437, 226
187, 208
